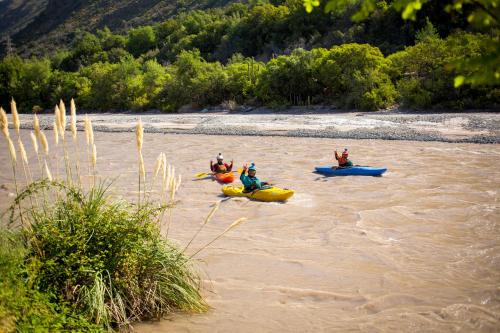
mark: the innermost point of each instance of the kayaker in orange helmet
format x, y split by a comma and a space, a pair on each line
220, 166
343, 159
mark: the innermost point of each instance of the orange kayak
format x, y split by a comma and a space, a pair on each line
224, 177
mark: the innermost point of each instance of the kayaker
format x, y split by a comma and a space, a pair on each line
343, 159
251, 182
220, 166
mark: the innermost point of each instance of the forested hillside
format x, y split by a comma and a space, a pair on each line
35, 25
260, 53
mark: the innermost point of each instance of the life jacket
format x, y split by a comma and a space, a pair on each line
220, 167
343, 160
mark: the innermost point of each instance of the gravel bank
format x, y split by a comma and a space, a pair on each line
450, 127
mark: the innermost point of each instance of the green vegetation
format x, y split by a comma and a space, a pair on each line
102, 261
73, 257
424, 80
484, 15
274, 53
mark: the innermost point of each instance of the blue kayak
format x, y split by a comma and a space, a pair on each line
351, 171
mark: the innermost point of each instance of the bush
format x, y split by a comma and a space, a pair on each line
24, 308
195, 80
99, 261
141, 40
425, 72
356, 76
289, 79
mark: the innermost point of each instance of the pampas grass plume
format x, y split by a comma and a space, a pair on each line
47, 171
15, 115
44, 142
164, 167
139, 135
24, 156
62, 118
142, 170
235, 224
178, 183
4, 123
36, 125
35, 143
12, 150
94, 155
158, 164
89, 131
56, 133
73, 119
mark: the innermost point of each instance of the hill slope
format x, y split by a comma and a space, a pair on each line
36, 24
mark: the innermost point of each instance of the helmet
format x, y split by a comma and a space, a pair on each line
252, 167
220, 157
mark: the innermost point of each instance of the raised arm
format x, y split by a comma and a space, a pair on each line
337, 156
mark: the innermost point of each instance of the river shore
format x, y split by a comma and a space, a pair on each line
464, 127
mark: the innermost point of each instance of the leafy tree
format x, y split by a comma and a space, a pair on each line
141, 40
243, 74
195, 81
482, 69
289, 79
424, 75
357, 76
11, 71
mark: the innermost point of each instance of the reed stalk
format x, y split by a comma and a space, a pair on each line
4, 123
17, 126
62, 132
232, 226
207, 219
13, 159
15, 116
74, 132
89, 138
157, 168
36, 125
94, 163
139, 136
35, 148
55, 131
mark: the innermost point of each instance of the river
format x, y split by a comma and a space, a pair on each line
417, 250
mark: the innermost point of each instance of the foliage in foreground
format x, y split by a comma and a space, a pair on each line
24, 308
79, 259
102, 261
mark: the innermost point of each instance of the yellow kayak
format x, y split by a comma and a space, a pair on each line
268, 194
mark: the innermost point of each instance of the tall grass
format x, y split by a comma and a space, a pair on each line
101, 262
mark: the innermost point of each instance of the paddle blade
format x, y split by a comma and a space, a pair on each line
201, 175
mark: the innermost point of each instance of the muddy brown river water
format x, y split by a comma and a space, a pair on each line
417, 250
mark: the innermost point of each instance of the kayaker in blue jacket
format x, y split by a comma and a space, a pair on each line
251, 182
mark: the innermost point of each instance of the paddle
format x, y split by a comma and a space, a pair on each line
205, 174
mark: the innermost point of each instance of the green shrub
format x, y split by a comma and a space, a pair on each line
195, 81
425, 73
356, 76
141, 40
289, 79
102, 261
24, 308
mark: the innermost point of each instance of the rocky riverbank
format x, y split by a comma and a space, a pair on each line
443, 127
